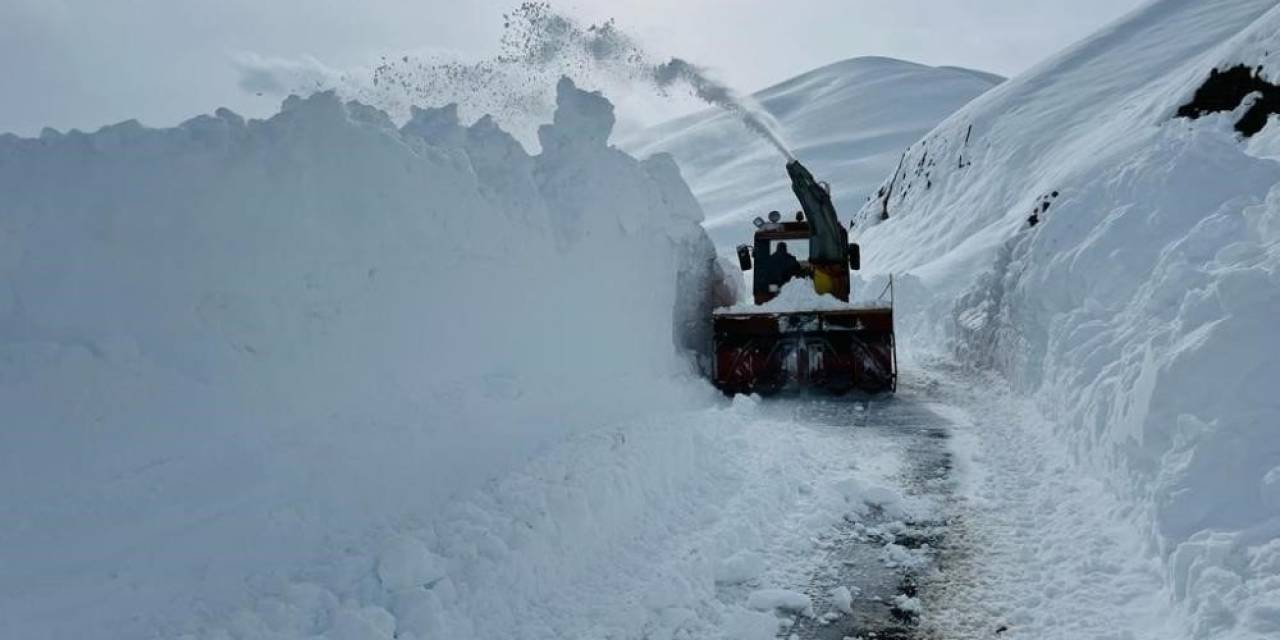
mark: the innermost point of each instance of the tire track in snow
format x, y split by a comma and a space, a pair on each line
1040, 549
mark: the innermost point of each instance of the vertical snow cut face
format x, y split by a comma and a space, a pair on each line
231, 349
1122, 264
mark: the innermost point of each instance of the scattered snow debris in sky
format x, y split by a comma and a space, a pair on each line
537, 45
713, 92
539, 37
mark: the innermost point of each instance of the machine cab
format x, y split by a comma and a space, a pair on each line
837, 348
780, 254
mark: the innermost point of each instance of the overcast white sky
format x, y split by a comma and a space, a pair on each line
85, 63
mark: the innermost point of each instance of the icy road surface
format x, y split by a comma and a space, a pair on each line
946, 511
872, 565
982, 527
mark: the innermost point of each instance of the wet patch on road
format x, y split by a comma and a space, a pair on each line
886, 562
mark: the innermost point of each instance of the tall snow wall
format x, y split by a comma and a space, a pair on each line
232, 349
1122, 265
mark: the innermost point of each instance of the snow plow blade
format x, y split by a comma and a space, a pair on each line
835, 351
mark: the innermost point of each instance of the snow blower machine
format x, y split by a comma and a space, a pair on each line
813, 341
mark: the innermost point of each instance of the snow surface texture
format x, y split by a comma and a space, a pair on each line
1131, 283
848, 121
1043, 553
247, 358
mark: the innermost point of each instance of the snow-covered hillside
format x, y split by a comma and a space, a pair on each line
1122, 265
239, 355
322, 376
848, 121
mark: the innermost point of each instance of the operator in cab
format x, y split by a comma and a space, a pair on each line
782, 267
785, 265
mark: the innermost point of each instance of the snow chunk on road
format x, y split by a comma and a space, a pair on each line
896, 555
750, 625
861, 495
407, 563
908, 604
739, 568
780, 600
744, 404
842, 598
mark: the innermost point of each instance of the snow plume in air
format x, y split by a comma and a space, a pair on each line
282, 76
537, 47
720, 95
537, 36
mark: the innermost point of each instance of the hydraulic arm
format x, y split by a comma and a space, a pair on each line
828, 242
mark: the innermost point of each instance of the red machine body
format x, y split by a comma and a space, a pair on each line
831, 347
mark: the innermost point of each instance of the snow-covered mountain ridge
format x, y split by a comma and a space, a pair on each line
1122, 265
849, 121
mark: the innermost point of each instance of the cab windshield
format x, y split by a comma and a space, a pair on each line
774, 268
797, 248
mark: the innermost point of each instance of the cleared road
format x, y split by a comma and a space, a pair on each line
887, 556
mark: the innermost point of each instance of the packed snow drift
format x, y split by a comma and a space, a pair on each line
1127, 261
238, 355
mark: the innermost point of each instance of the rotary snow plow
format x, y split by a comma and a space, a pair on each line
801, 332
